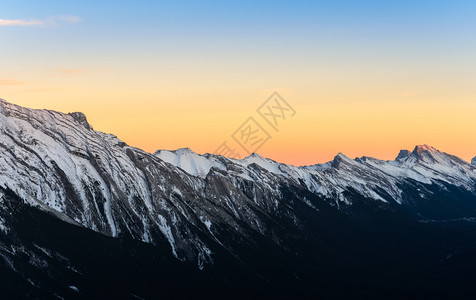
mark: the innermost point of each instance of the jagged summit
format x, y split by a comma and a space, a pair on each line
81, 119
254, 155
430, 155
184, 150
473, 161
42, 117
341, 155
424, 148
179, 150
339, 159
403, 154
189, 161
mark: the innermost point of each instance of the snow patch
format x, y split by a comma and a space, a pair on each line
167, 231
189, 161
74, 288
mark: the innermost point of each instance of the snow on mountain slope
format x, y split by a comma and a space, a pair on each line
265, 163
431, 163
424, 164
200, 165
58, 162
189, 161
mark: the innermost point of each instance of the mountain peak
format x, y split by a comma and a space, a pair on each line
184, 151
473, 161
254, 155
40, 115
179, 151
403, 154
339, 158
341, 155
424, 148
81, 119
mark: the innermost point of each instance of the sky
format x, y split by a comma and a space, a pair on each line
362, 77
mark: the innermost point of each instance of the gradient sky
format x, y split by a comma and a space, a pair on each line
365, 77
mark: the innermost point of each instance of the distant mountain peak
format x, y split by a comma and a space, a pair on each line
403, 154
185, 150
180, 151
254, 155
424, 148
339, 158
341, 155
81, 119
42, 116
473, 161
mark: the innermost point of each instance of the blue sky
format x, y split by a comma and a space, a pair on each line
199, 25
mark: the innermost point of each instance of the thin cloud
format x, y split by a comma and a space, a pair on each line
49, 22
6, 22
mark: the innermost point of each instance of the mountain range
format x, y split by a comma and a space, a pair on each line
84, 215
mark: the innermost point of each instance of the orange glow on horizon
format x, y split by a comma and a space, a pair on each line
356, 114
317, 132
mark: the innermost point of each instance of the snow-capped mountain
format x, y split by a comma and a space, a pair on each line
207, 207
375, 179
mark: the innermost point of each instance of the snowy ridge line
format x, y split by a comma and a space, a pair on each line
425, 164
57, 161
